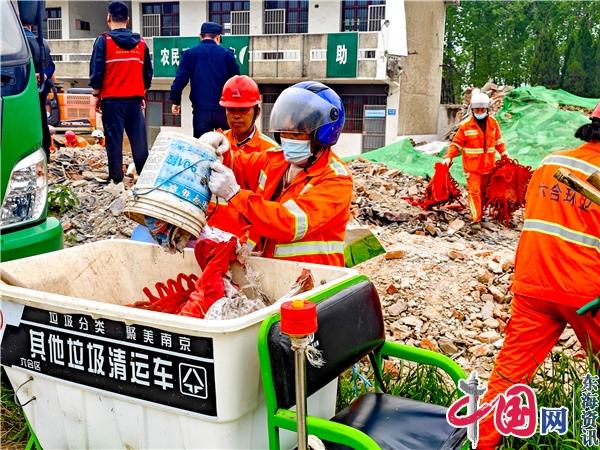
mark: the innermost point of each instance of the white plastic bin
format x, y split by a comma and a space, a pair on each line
109, 376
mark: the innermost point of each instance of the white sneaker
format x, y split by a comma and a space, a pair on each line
115, 188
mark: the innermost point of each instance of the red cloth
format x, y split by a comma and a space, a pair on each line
190, 295
442, 188
214, 259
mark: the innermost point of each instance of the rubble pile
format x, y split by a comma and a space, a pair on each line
378, 202
442, 287
98, 214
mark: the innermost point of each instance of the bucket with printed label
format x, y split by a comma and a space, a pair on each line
173, 187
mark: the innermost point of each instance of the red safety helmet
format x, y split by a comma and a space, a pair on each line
240, 91
596, 113
70, 136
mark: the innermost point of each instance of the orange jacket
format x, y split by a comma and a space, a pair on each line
558, 257
307, 221
226, 217
78, 142
478, 154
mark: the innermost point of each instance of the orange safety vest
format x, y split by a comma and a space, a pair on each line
225, 216
478, 154
307, 221
558, 256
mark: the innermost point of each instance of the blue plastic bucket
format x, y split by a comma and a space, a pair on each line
173, 186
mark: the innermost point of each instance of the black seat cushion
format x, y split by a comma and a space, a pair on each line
397, 423
350, 327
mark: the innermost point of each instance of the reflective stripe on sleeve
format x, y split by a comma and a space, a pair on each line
262, 180
473, 151
338, 168
306, 188
561, 232
308, 248
571, 163
300, 218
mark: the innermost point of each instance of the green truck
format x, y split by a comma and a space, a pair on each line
25, 228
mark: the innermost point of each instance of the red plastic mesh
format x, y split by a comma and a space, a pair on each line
442, 189
506, 190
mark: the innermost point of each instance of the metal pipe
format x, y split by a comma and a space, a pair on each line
577, 184
299, 346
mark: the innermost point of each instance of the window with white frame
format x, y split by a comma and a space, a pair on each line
160, 19
362, 15
295, 16
376, 16
53, 23
233, 16
240, 22
274, 55
275, 21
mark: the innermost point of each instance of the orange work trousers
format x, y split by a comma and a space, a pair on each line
477, 184
532, 330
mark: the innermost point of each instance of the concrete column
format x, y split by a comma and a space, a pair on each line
191, 16
324, 16
135, 16
421, 79
65, 20
396, 38
391, 120
256, 17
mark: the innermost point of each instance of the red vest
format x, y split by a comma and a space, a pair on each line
123, 75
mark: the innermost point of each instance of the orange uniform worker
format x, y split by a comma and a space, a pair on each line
241, 99
72, 140
478, 139
556, 270
301, 205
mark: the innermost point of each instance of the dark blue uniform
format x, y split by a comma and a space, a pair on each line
207, 67
47, 68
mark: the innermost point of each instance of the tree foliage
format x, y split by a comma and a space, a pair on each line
552, 43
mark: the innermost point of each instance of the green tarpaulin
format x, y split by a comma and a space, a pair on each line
532, 124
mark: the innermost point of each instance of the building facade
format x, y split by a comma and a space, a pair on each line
383, 57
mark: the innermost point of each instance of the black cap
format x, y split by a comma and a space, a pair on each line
118, 11
211, 27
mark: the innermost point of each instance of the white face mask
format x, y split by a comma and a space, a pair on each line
295, 151
480, 116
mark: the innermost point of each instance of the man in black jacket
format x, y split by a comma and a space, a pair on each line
207, 67
120, 73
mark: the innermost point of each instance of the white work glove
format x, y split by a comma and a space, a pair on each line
446, 161
217, 141
222, 181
